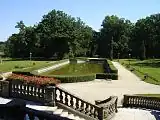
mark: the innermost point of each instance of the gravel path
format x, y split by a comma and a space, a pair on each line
128, 83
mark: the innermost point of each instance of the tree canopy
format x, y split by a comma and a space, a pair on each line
65, 36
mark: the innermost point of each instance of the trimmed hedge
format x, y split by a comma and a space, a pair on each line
72, 79
112, 68
112, 76
22, 73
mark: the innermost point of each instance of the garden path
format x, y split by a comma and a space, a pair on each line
127, 83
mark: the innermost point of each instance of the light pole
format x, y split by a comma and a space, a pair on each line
129, 58
118, 56
30, 56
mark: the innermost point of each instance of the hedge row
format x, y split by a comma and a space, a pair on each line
112, 76
72, 79
112, 68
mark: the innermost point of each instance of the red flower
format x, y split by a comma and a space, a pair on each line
34, 79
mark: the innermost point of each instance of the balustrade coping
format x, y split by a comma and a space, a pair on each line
141, 96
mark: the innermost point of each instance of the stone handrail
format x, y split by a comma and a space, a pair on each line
141, 101
78, 104
109, 106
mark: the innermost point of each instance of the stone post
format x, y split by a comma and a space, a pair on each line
100, 113
50, 96
5, 88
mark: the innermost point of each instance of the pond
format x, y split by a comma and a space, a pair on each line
78, 69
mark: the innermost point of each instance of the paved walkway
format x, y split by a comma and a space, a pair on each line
128, 83
136, 114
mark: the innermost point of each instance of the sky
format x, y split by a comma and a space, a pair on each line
92, 12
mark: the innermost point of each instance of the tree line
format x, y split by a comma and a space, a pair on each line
62, 35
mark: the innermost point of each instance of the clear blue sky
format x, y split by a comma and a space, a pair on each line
92, 12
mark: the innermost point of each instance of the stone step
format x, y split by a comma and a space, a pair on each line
58, 111
71, 116
55, 110
42, 108
64, 114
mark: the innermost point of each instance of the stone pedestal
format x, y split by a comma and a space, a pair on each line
50, 96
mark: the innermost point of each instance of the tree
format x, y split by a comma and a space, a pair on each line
115, 35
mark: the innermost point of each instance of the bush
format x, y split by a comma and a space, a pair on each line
112, 68
72, 79
112, 76
22, 73
101, 76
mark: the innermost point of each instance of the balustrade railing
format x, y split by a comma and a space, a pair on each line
50, 95
141, 101
78, 104
27, 91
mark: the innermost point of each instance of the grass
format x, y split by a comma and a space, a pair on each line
25, 65
150, 67
77, 69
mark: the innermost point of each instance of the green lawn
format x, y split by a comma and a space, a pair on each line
151, 67
25, 65
77, 69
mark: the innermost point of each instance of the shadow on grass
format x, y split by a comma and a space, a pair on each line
156, 114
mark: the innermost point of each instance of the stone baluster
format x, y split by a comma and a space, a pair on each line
87, 109
66, 100
77, 104
61, 96
91, 111
82, 107
71, 101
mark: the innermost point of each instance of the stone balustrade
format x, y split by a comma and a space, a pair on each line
141, 102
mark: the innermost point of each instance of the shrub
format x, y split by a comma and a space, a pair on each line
112, 68
22, 73
73, 60
72, 79
33, 79
112, 76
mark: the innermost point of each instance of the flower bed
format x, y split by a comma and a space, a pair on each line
34, 79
